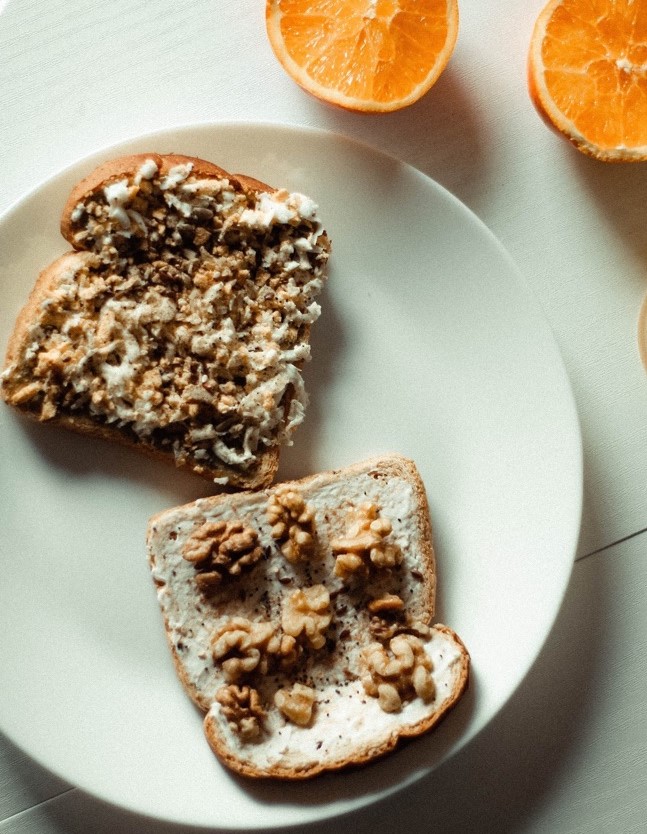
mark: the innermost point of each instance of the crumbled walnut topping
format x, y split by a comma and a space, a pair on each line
221, 548
297, 703
212, 288
242, 707
365, 544
292, 521
397, 673
306, 614
388, 616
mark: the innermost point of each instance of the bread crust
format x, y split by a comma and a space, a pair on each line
367, 756
115, 169
266, 464
244, 505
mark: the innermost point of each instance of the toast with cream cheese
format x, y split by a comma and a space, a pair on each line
299, 618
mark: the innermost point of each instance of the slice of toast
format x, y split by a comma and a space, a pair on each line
299, 618
180, 322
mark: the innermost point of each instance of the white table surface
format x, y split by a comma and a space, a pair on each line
569, 751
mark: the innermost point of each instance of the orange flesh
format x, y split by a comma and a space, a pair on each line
373, 50
595, 59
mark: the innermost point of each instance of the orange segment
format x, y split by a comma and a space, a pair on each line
372, 55
587, 75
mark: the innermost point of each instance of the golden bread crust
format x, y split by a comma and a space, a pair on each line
116, 169
306, 771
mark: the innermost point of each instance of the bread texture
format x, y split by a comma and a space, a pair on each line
299, 618
180, 321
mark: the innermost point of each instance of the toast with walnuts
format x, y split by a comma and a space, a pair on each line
299, 618
179, 322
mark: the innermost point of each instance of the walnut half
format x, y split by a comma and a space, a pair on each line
306, 614
365, 544
241, 706
292, 522
219, 549
397, 673
242, 647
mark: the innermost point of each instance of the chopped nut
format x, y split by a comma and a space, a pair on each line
26, 393
292, 521
307, 614
365, 544
397, 673
388, 603
221, 548
243, 710
286, 649
48, 411
390, 618
297, 703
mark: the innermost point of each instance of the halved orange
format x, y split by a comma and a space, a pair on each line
587, 75
370, 55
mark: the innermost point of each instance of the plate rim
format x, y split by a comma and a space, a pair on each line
158, 135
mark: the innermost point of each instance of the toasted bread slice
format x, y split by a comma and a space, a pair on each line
180, 322
299, 618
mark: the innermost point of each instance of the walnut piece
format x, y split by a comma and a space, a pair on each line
365, 544
219, 549
292, 521
398, 673
386, 625
243, 710
386, 604
389, 617
306, 614
296, 704
243, 647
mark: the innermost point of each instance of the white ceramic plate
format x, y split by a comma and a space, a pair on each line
430, 345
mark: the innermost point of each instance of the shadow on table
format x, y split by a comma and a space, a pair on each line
620, 193
432, 134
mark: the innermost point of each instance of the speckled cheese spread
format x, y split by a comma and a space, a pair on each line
345, 718
185, 322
